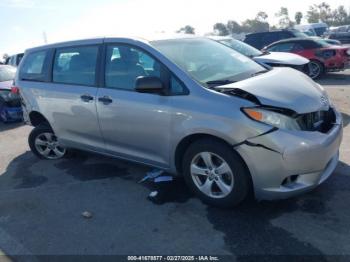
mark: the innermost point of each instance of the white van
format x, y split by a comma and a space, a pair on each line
318, 28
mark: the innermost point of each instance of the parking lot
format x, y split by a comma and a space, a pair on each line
41, 203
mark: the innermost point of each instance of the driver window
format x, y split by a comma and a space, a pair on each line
124, 64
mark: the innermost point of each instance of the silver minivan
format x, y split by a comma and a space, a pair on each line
187, 105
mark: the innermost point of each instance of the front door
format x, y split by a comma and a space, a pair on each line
134, 125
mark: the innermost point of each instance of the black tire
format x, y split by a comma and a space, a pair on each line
2, 116
321, 71
242, 184
37, 131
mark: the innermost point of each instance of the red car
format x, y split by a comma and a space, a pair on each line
323, 56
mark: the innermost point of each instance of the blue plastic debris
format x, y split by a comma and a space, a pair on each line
151, 175
163, 179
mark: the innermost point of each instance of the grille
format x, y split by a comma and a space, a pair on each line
321, 121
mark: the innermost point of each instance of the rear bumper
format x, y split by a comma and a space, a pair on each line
12, 113
283, 164
337, 64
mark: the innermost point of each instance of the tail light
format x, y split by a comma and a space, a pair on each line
15, 90
347, 52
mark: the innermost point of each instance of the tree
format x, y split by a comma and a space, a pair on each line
340, 16
186, 30
221, 29
261, 16
284, 20
5, 57
233, 27
254, 26
258, 24
298, 17
320, 13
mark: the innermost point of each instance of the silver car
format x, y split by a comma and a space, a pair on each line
189, 106
275, 59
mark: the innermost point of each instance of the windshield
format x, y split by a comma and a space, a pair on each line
309, 32
241, 47
322, 43
207, 60
300, 34
7, 73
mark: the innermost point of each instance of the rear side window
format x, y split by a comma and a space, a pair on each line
34, 67
310, 45
283, 47
75, 65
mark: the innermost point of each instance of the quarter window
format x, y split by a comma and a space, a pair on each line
176, 87
34, 68
75, 65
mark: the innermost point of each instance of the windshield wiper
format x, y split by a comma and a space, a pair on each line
220, 82
259, 72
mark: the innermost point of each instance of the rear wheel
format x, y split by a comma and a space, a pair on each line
44, 143
3, 116
215, 173
316, 69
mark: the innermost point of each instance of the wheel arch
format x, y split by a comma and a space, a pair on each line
189, 139
37, 118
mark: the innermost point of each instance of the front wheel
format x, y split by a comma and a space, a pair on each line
316, 69
44, 143
215, 173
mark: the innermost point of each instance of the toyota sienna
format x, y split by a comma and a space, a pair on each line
187, 105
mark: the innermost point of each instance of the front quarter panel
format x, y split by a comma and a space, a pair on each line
214, 114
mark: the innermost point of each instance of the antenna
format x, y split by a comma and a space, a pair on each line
45, 37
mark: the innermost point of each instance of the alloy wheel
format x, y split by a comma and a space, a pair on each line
48, 146
212, 175
315, 70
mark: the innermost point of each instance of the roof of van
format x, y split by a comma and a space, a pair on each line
98, 40
312, 25
274, 31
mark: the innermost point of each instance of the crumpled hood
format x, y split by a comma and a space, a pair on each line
282, 58
284, 88
6, 85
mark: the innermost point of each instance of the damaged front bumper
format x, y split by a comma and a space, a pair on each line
285, 163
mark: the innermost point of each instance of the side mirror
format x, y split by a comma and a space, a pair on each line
149, 84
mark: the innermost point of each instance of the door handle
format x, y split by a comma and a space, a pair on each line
105, 99
86, 98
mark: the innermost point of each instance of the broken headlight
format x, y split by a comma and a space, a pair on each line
272, 118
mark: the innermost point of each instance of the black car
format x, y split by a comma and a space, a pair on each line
343, 37
260, 40
10, 104
14, 60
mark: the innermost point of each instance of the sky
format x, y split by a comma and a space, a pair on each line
23, 22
